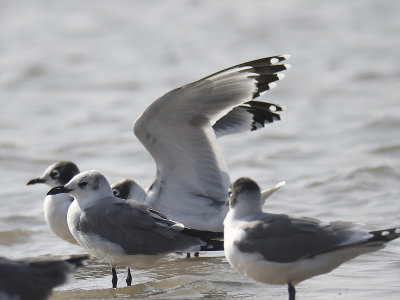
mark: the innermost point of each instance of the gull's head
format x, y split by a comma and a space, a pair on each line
123, 188
57, 174
245, 196
85, 186
129, 189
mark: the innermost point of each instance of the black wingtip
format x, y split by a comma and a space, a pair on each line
263, 113
385, 235
203, 234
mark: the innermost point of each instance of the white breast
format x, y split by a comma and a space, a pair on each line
55, 213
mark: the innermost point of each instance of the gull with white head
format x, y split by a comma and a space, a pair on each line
282, 249
129, 233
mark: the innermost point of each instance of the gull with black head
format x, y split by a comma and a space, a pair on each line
55, 207
122, 232
283, 249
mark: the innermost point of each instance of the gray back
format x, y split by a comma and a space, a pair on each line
136, 227
281, 238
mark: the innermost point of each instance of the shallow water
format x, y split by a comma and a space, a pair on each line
76, 75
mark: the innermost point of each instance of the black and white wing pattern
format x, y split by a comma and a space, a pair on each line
177, 130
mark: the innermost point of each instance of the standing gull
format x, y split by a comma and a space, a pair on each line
180, 129
282, 249
34, 280
129, 233
55, 207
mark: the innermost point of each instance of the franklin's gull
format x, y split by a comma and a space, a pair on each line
55, 207
123, 232
282, 249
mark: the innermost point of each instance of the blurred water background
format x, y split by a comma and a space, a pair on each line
75, 75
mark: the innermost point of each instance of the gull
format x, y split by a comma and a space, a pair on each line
27, 280
123, 232
283, 249
180, 129
55, 207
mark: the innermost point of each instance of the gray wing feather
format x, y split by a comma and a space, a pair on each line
176, 130
281, 238
136, 229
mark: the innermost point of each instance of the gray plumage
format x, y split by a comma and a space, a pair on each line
180, 129
281, 238
35, 280
136, 228
283, 249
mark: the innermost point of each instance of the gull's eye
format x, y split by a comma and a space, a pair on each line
116, 192
55, 174
82, 184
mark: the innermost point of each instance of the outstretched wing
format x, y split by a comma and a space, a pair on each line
177, 131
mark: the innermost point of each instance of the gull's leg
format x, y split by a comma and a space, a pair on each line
114, 277
129, 278
292, 291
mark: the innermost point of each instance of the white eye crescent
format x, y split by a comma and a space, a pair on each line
116, 192
55, 174
83, 184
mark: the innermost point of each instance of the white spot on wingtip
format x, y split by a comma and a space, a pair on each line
287, 66
274, 60
272, 85
178, 226
280, 76
385, 233
397, 231
286, 56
